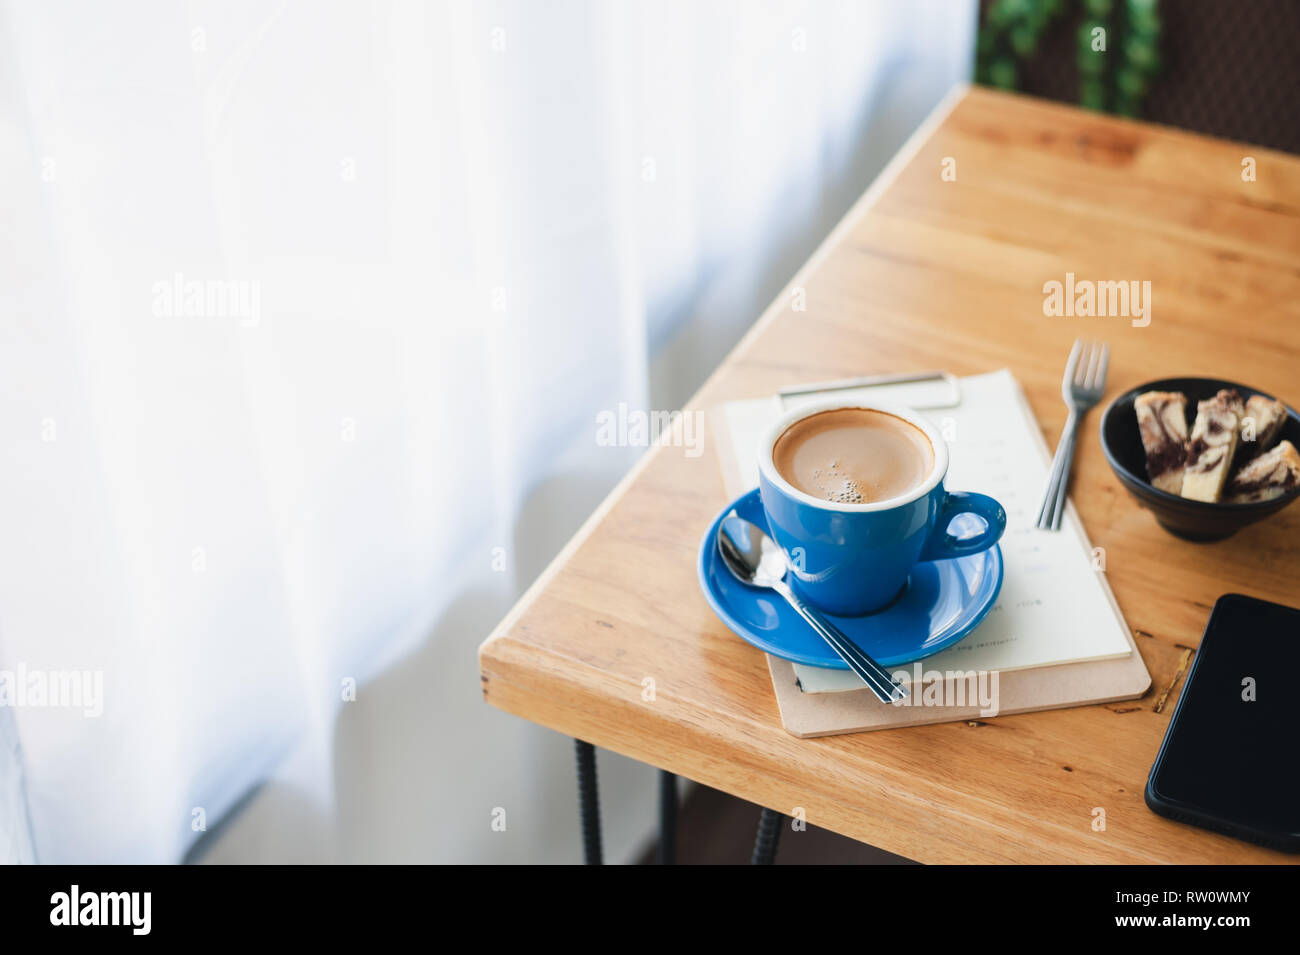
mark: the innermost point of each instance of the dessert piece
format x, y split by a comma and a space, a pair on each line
1234, 402
1260, 427
1269, 475
1162, 422
1213, 444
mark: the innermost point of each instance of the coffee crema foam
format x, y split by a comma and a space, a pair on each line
853, 456
838, 486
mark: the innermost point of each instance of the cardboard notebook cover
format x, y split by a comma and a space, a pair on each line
1017, 691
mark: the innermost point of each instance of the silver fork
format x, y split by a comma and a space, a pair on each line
1082, 387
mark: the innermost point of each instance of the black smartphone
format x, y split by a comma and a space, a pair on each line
1230, 760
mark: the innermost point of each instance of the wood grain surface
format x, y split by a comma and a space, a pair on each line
926, 273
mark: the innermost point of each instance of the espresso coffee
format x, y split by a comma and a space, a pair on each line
853, 456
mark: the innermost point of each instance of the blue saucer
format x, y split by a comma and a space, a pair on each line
943, 601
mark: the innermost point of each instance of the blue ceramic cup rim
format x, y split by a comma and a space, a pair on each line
768, 467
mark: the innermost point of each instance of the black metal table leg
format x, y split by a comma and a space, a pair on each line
588, 802
769, 834
667, 818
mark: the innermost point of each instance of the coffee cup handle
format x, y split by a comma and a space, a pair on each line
941, 545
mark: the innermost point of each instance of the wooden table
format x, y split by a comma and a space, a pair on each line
927, 273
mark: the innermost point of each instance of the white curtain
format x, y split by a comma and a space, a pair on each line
307, 311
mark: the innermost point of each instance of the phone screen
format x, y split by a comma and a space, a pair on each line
1232, 752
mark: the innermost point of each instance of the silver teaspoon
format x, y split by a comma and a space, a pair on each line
755, 559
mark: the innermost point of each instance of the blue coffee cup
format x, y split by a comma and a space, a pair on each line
853, 559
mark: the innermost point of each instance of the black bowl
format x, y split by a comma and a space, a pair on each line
1191, 520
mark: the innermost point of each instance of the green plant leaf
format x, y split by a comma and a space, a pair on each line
1092, 94
1023, 41
1141, 54
1003, 74
1130, 83
1085, 38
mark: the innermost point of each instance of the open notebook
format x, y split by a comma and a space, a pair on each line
1055, 607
